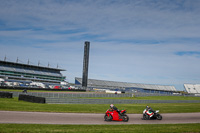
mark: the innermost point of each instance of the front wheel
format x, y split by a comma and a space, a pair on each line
146, 117
125, 118
159, 117
108, 118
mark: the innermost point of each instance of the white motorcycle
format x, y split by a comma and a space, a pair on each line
148, 115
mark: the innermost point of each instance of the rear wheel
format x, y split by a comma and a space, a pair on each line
125, 118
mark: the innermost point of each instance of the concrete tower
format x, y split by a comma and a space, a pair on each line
85, 64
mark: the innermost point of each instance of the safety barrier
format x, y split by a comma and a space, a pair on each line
30, 98
111, 101
6, 95
82, 95
85, 98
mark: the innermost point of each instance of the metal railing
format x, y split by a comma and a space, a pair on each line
90, 95
86, 98
111, 101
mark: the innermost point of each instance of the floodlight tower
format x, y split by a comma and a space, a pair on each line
85, 64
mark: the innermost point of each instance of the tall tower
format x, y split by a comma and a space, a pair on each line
85, 64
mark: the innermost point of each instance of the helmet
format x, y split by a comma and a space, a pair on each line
147, 106
111, 105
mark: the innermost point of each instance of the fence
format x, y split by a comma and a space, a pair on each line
83, 95
81, 98
112, 101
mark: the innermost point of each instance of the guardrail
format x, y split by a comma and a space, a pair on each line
78, 98
82, 95
111, 101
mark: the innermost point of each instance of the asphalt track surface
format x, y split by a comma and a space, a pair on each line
89, 118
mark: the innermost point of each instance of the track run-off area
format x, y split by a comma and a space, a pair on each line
90, 118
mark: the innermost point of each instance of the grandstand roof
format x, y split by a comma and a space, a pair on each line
192, 88
103, 83
30, 66
30, 71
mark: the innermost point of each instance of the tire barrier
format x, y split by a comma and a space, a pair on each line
6, 95
32, 99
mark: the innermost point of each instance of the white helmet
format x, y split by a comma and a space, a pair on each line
111, 105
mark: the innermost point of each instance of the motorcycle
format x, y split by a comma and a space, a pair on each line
155, 115
115, 116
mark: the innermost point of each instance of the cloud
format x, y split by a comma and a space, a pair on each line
117, 19
189, 53
135, 41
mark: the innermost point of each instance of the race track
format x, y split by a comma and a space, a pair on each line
88, 118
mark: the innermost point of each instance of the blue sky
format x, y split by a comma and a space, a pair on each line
146, 41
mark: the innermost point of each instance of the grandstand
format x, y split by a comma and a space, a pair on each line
18, 72
147, 88
192, 88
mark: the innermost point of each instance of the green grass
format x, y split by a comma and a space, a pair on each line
160, 128
14, 105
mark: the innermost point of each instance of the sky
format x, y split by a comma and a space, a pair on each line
135, 41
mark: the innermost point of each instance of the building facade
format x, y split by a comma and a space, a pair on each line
18, 72
129, 87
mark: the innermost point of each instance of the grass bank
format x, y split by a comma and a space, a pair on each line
160, 128
15, 105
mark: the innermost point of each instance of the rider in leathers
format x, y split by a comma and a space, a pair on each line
112, 107
150, 111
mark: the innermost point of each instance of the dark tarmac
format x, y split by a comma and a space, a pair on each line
90, 118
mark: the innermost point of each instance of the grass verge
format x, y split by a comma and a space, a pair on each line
14, 105
160, 128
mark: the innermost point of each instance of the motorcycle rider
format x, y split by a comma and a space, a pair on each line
112, 107
150, 111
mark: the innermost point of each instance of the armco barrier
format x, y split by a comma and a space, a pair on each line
6, 95
32, 99
111, 101
82, 95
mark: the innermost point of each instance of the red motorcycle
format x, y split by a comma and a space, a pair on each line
115, 116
